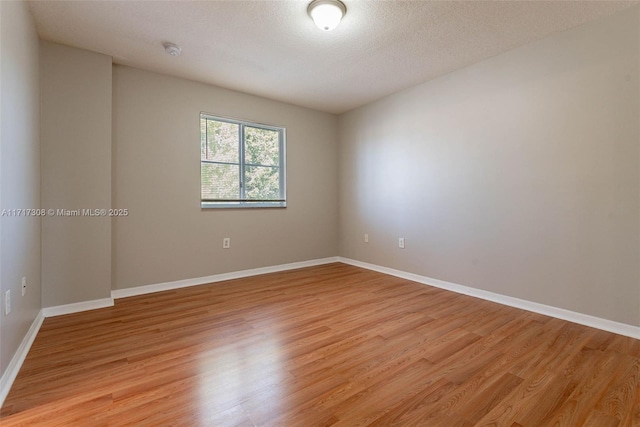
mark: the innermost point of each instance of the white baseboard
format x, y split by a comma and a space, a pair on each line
77, 307
560, 313
10, 374
166, 286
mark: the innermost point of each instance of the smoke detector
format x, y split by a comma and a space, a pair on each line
172, 49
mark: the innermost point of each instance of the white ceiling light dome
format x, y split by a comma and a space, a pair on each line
326, 14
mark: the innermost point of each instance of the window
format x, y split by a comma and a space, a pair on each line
241, 164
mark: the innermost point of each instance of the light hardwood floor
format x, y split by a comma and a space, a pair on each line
328, 345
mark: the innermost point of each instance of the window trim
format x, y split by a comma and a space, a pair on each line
243, 203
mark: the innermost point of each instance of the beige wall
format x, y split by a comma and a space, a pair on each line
156, 176
518, 175
76, 173
19, 173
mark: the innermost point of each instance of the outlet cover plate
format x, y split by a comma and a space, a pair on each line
7, 302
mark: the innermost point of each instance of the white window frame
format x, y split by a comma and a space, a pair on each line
243, 202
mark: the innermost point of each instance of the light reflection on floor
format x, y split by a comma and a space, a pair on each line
229, 374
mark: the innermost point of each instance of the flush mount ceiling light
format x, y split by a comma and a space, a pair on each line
326, 13
172, 49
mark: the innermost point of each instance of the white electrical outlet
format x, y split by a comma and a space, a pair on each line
24, 286
366, 238
7, 302
401, 242
226, 243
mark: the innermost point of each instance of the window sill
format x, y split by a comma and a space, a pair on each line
242, 205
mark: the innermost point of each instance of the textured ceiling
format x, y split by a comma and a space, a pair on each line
273, 49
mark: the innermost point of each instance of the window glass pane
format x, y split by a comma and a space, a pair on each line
219, 141
262, 183
261, 146
220, 181
203, 138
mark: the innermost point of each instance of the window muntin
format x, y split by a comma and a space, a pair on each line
242, 164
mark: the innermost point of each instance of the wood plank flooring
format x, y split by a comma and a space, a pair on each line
329, 345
